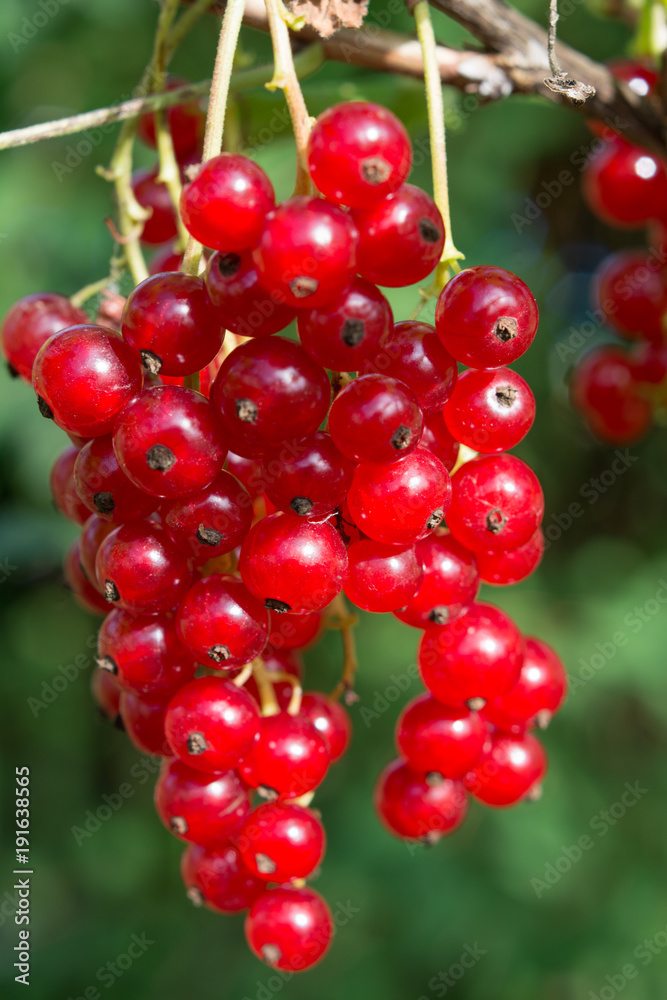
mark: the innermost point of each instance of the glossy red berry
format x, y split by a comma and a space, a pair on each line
222, 624
85, 593
631, 291
345, 334
30, 322
269, 390
450, 582
160, 226
290, 631
140, 569
212, 522
186, 124
400, 238
143, 653
225, 206
247, 307
490, 410
216, 877
106, 695
211, 724
330, 719
411, 807
497, 503
289, 929
412, 352
437, 738
290, 757
165, 259
624, 185
400, 503
537, 695
437, 438
104, 487
93, 533
486, 317
247, 471
358, 153
382, 577
83, 377
63, 487
281, 841
307, 251
376, 419
310, 478
170, 322
198, 807
478, 656
143, 721
505, 567
168, 441
510, 770
603, 389
291, 564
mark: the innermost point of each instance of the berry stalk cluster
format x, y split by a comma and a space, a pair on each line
217, 527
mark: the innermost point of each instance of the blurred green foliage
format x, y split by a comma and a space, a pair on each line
406, 915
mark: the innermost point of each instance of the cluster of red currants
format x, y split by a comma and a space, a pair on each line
226, 571
618, 387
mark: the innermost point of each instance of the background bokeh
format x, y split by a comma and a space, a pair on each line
507, 887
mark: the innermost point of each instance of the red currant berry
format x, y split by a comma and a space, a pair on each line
32, 321
436, 438
104, 487
247, 307
503, 568
486, 317
289, 759
400, 238
632, 294
289, 929
63, 487
294, 631
415, 809
216, 877
490, 411
143, 721
649, 362
376, 419
106, 695
143, 653
436, 738
248, 472
312, 482
640, 78
450, 582
225, 206
140, 569
269, 391
358, 153
170, 322
211, 724
164, 260
210, 523
537, 695
93, 533
160, 226
201, 808
83, 377
382, 577
168, 442
330, 719
85, 593
510, 770
291, 564
497, 503
186, 124
221, 624
345, 335
478, 656
399, 503
604, 391
278, 661
624, 185
280, 841
307, 251
412, 353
